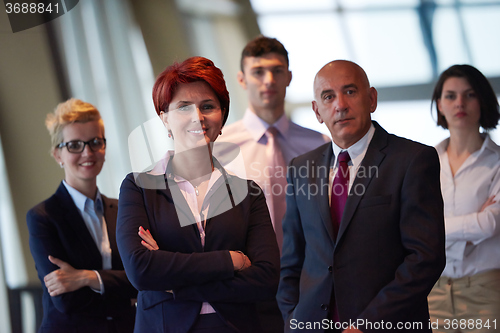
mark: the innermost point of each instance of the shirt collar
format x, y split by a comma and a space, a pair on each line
80, 199
258, 127
356, 150
488, 144
160, 167
216, 174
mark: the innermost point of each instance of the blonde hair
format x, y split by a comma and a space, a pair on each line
69, 112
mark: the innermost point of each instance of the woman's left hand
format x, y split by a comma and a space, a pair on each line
147, 239
491, 200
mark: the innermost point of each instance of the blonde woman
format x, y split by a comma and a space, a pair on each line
72, 233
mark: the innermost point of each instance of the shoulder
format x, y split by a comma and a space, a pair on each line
143, 180
404, 156
110, 202
234, 128
405, 150
38, 210
296, 128
236, 133
391, 143
45, 210
312, 155
491, 145
400, 142
304, 139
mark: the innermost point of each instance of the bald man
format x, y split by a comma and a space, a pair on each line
364, 229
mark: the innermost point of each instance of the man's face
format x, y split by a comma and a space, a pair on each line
265, 79
344, 101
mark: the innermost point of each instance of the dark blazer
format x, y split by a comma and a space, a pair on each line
194, 274
56, 228
390, 248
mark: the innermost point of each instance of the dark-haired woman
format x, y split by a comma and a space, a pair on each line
196, 242
467, 296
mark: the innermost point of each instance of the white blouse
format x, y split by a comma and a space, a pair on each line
472, 237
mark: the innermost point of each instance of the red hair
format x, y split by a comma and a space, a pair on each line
190, 70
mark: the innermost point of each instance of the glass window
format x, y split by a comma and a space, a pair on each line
411, 120
310, 45
266, 6
475, 2
482, 25
386, 38
389, 46
448, 39
379, 3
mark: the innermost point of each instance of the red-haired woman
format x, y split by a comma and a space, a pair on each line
196, 241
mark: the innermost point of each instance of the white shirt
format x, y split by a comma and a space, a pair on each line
356, 152
92, 211
249, 134
472, 238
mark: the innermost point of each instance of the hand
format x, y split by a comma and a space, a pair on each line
491, 200
352, 329
240, 260
67, 279
147, 239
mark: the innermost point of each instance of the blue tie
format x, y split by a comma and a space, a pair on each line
95, 211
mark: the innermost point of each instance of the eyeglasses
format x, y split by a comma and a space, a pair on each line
77, 146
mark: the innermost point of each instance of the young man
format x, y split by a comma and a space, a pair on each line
267, 139
265, 76
362, 254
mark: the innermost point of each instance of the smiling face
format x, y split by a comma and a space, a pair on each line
344, 101
265, 79
82, 168
194, 116
459, 104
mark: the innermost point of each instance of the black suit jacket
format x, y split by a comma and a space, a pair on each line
390, 248
238, 219
56, 228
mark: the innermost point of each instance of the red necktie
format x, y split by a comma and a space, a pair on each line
277, 190
340, 190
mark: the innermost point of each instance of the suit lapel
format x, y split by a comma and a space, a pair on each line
227, 195
110, 214
319, 177
72, 218
373, 158
174, 196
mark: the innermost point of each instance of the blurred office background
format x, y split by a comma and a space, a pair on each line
109, 52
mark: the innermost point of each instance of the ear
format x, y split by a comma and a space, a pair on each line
289, 78
164, 119
241, 80
373, 99
438, 104
56, 153
316, 112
